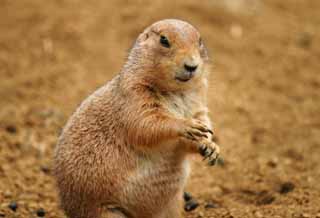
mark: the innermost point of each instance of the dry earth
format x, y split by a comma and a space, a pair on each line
264, 96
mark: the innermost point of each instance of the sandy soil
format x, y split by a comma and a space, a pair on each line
264, 96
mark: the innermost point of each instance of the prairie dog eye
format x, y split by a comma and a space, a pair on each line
164, 41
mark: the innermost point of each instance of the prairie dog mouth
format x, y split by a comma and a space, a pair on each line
184, 76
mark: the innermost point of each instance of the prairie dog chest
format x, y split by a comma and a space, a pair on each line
181, 105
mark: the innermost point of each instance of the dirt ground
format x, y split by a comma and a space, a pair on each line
264, 96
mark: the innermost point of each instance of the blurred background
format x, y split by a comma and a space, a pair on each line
264, 96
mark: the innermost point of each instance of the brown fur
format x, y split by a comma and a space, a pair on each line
124, 149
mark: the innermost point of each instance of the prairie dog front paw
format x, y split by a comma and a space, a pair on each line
195, 130
197, 138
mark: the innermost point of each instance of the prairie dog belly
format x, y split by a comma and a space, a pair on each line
156, 180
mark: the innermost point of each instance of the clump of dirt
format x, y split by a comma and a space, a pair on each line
264, 97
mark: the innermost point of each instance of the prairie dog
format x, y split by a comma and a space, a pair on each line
123, 153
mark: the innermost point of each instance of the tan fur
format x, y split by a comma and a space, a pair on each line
124, 150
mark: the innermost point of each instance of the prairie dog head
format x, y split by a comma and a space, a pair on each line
173, 54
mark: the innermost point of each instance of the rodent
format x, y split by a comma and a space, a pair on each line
123, 153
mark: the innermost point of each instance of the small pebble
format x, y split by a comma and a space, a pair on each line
286, 187
217, 190
272, 163
265, 198
191, 205
45, 169
13, 206
41, 212
305, 215
305, 40
11, 129
187, 196
258, 214
200, 215
210, 205
7, 194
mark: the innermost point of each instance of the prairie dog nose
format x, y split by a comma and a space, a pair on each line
191, 63
190, 68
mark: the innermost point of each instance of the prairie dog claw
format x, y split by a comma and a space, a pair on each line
210, 152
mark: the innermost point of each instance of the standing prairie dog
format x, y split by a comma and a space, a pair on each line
123, 152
